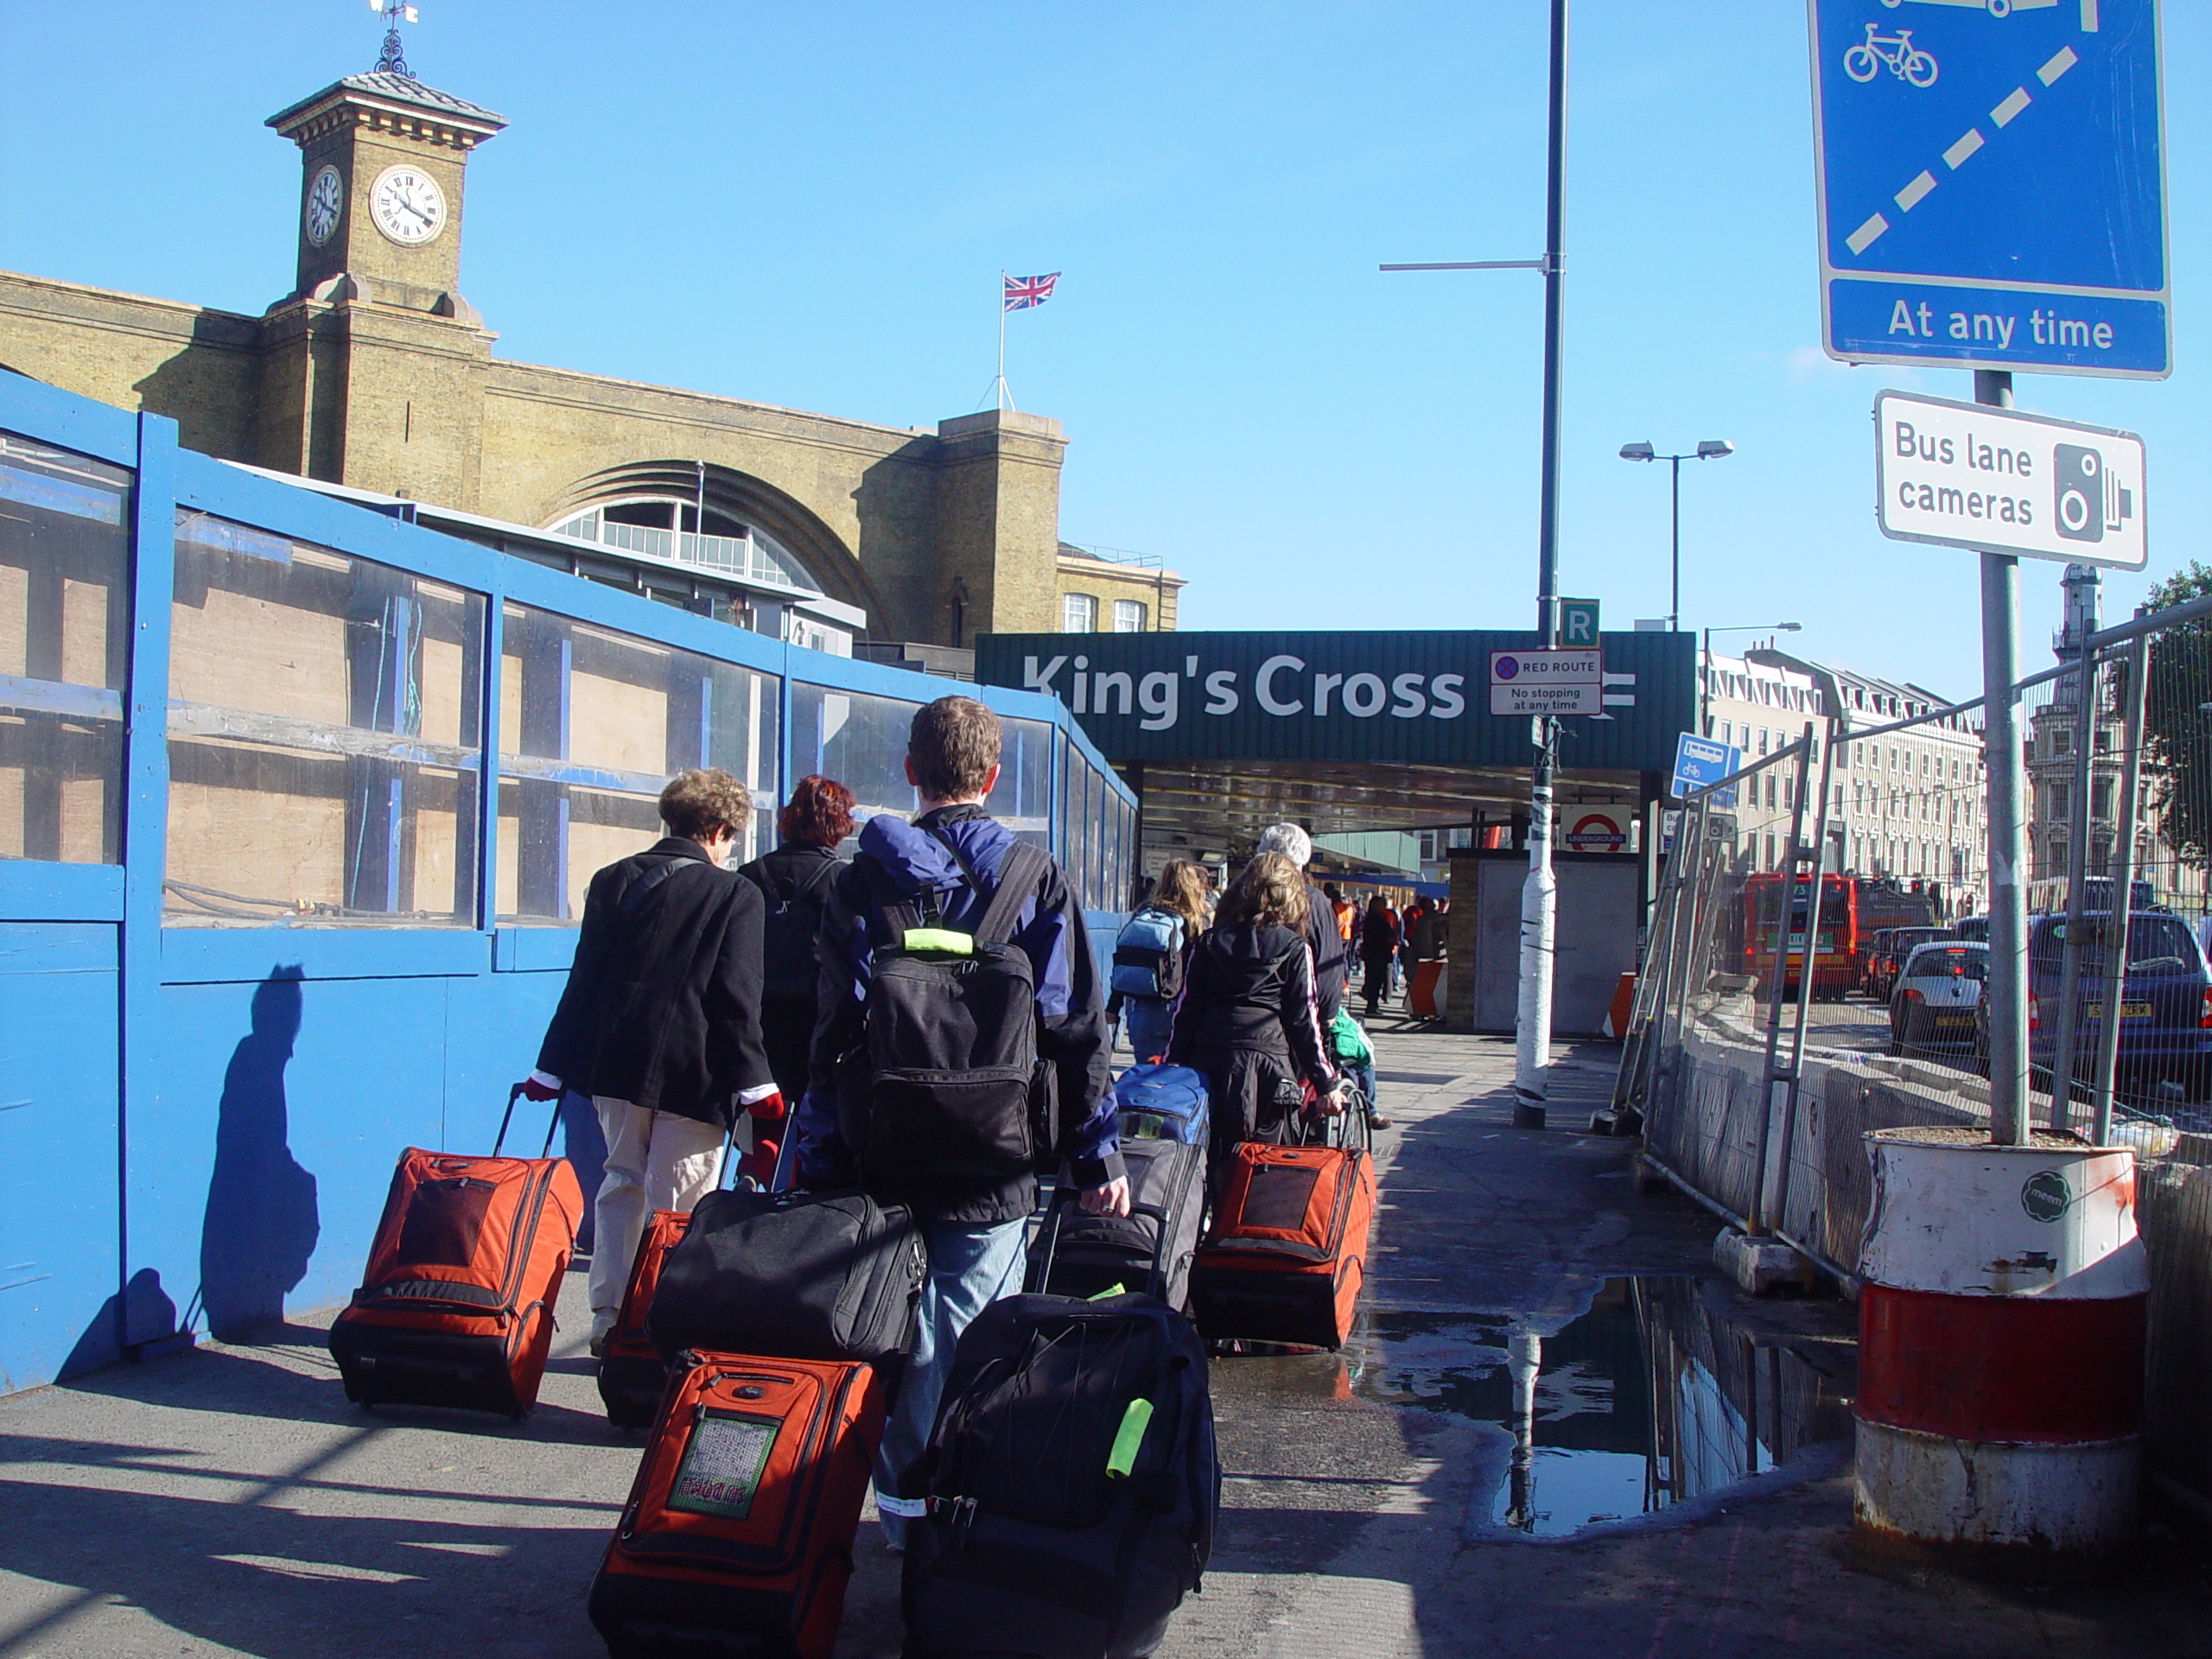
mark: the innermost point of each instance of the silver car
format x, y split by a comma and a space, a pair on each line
1932, 1005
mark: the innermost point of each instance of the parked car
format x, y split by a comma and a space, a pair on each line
1891, 946
2165, 998
1932, 1008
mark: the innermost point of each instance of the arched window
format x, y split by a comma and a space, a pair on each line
666, 527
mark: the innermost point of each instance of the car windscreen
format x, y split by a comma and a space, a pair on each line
1954, 961
2156, 944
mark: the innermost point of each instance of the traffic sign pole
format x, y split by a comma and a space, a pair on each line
2006, 990
1532, 1032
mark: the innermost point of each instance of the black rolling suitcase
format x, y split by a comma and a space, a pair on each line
1151, 1248
807, 1275
1071, 1484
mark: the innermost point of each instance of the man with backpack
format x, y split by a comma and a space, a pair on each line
958, 1002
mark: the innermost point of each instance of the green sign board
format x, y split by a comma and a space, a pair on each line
1578, 622
1420, 698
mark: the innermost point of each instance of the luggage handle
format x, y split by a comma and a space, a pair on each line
507, 1117
1060, 1209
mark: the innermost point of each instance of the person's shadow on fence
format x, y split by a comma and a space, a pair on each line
261, 1220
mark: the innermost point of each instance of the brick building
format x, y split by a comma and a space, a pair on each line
375, 375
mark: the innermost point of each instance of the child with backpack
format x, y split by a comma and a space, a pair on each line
1150, 955
963, 1044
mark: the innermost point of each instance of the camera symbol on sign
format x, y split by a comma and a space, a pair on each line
2091, 498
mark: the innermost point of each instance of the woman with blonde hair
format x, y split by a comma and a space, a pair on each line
1247, 1017
1151, 954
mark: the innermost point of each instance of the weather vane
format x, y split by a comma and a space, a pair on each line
393, 58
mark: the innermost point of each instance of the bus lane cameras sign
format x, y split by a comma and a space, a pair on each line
1999, 481
1547, 682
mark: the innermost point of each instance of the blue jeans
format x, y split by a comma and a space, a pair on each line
1149, 1021
970, 1267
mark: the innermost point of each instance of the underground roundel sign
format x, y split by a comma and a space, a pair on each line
1596, 833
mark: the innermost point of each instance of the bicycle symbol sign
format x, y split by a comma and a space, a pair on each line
1992, 184
1896, 52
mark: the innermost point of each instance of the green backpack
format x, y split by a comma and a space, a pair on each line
1348, 1041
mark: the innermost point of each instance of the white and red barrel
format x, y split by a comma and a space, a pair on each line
2001, 1320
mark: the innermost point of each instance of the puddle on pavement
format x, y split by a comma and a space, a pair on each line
1653, 1398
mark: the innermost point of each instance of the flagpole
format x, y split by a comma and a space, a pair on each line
1001, 394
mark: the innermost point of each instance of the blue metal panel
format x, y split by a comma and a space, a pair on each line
59, 1270
60, 892
533, 950
60, 417
259, 1162
211, 955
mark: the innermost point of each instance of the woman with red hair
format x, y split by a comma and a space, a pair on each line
795, 878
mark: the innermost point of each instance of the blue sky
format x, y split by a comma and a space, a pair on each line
810, 206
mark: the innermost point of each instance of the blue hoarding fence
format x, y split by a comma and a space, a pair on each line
1992, 184
298, 800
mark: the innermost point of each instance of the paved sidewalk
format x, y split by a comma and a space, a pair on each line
227, 1500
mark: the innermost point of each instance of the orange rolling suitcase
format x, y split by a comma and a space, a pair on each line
737, 1537
456, 1305
1288, 1251
631, 1375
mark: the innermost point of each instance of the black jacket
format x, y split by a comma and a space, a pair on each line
786, 872
1252, 988
1331, 955
898, 861
663, 1004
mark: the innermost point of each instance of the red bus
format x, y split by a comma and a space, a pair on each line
1851, 909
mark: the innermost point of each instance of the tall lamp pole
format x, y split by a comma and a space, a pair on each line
1708, 449
1532, 1022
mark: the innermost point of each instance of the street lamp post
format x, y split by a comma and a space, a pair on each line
1708, 449
1532, 1019
1704, 676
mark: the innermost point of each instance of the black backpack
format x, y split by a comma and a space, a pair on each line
1070, 1484
949, 1082
790, 968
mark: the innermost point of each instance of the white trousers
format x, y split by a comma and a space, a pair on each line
655, 1161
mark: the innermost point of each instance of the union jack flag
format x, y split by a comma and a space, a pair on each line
1022, 292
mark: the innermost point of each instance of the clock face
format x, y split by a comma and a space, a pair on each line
326, 202
407, 205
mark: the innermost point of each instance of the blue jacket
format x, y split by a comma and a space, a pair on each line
897, 862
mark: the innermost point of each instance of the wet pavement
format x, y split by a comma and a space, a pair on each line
1554, 1431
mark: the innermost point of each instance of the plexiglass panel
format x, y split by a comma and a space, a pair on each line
324, 737
1023, 800
859, 741
63, 647
593, 723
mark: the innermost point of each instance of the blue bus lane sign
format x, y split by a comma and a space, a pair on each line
2000, 481
1700, 761
1992, 184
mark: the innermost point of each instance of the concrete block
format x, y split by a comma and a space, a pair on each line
1760, 1266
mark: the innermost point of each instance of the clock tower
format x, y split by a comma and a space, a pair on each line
382, 157
372, 367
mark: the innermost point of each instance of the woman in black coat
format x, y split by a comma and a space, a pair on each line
795, 881
1247, 1017
660, 1021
